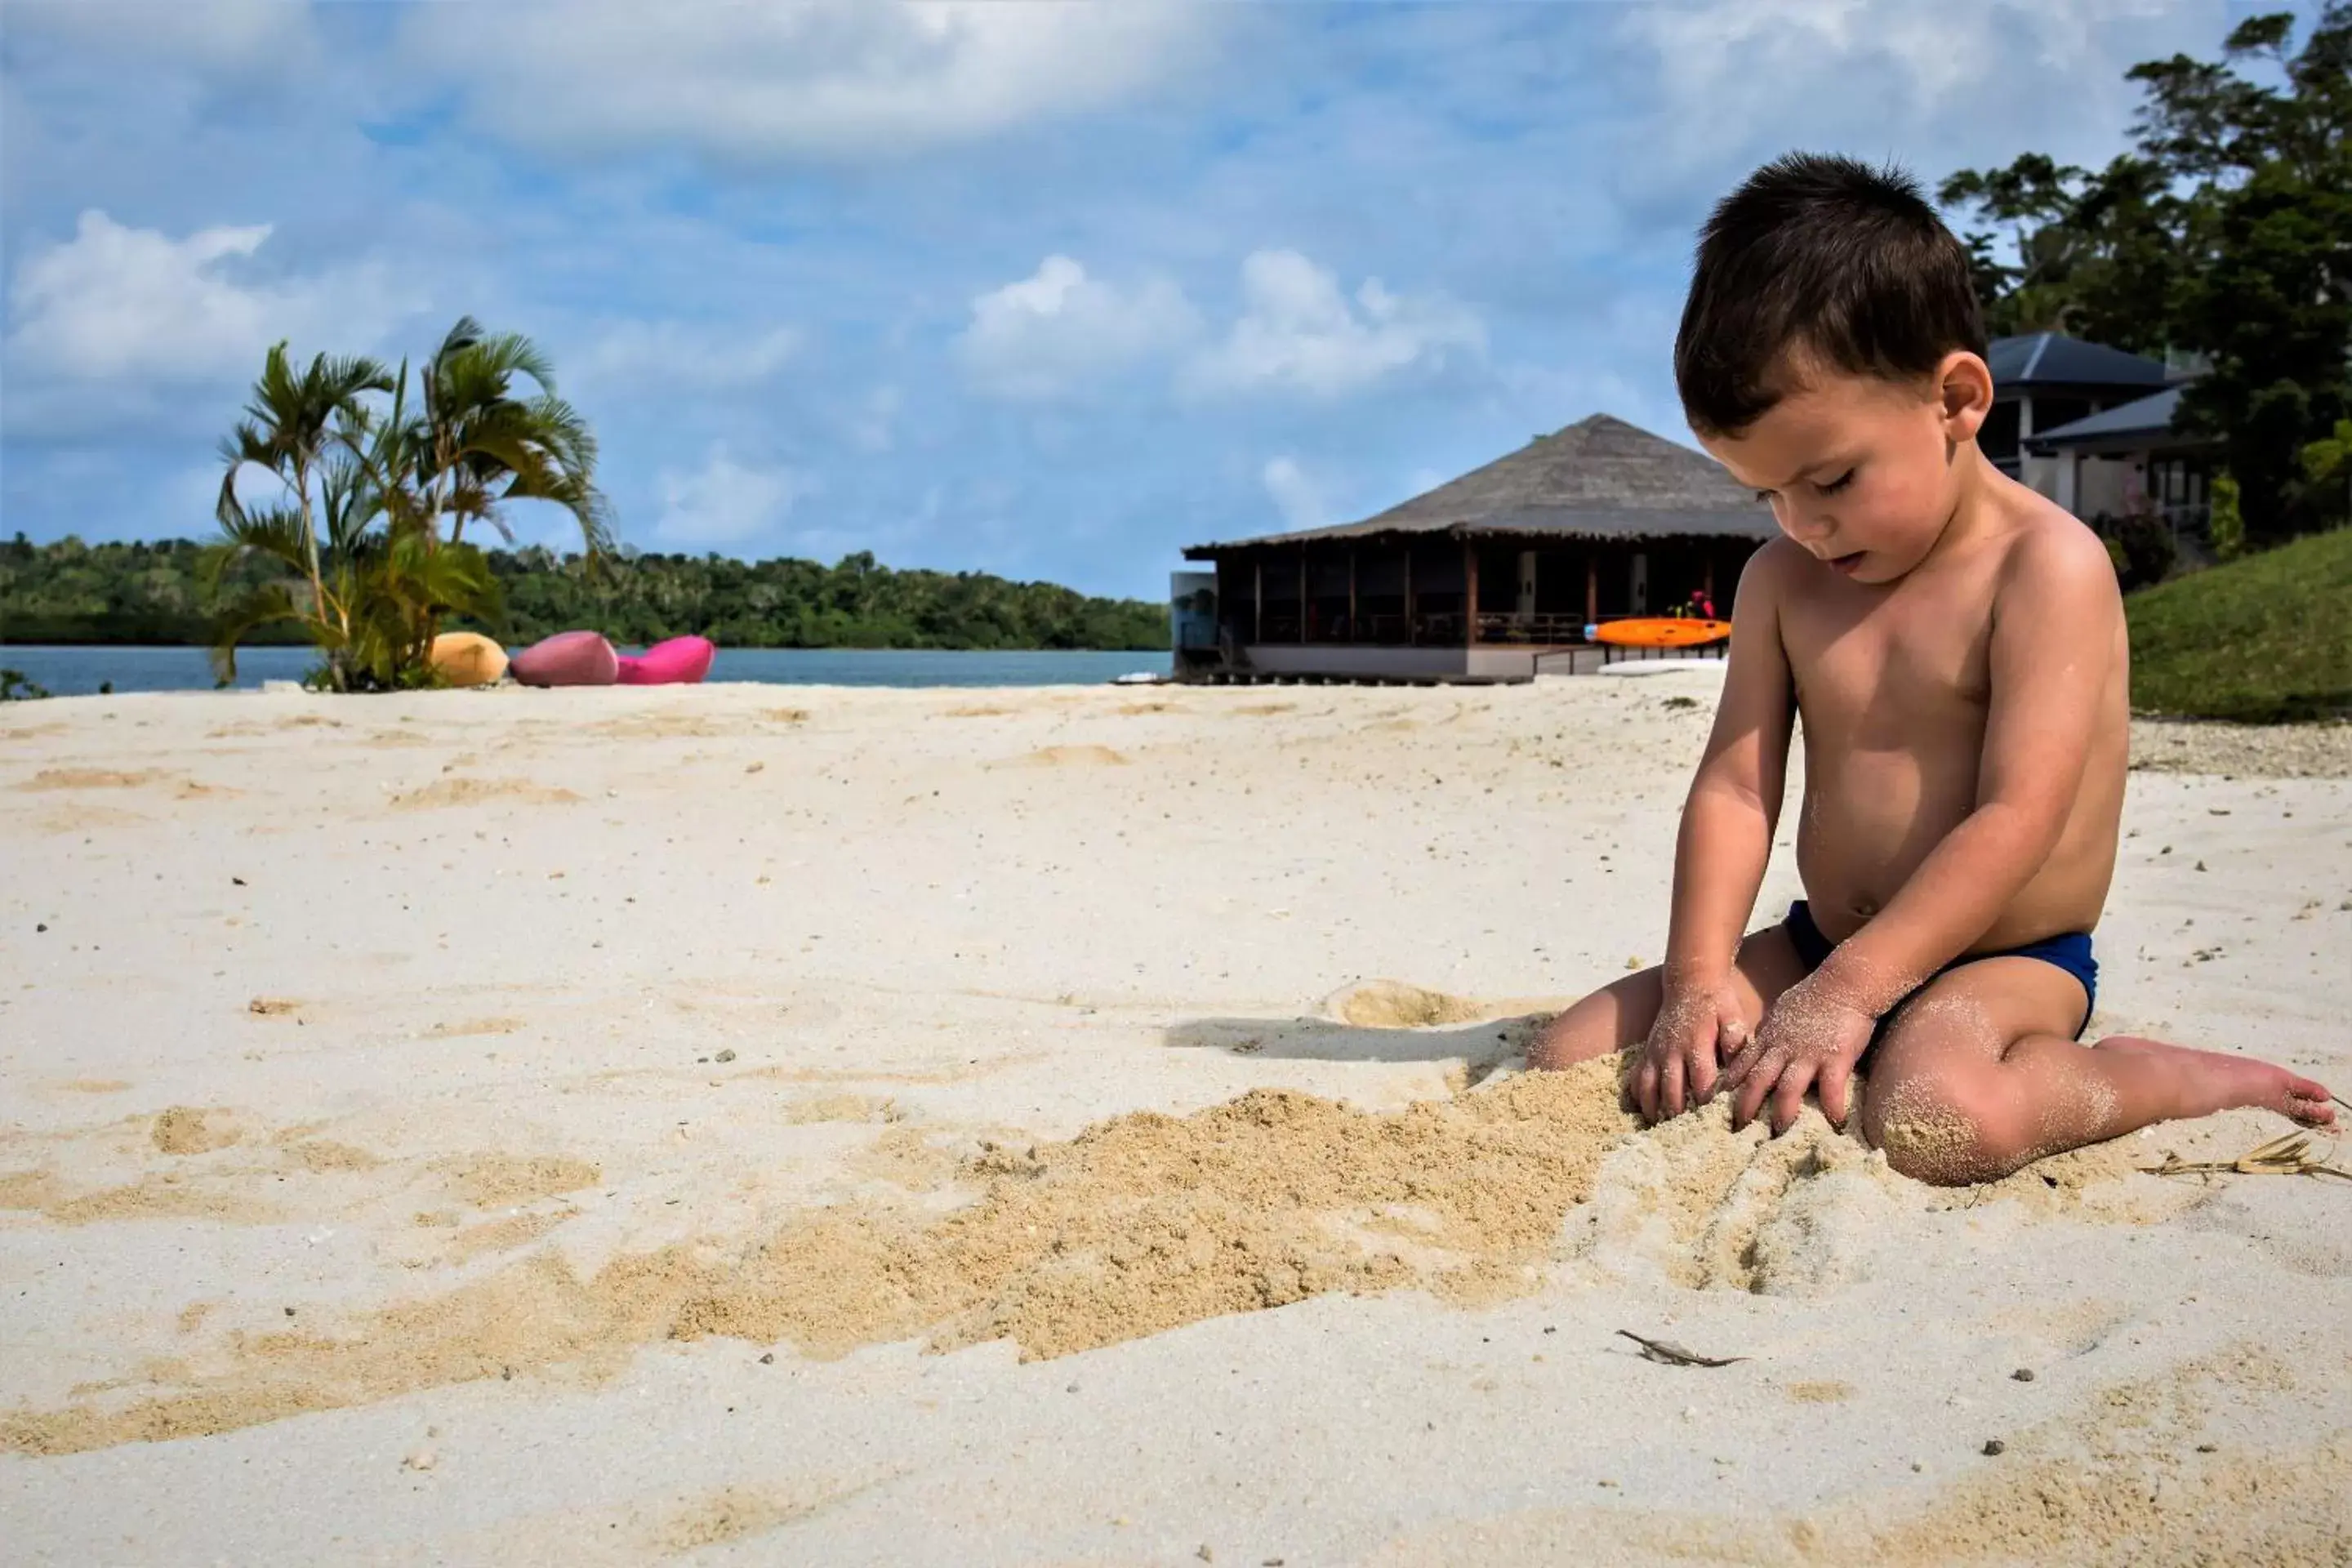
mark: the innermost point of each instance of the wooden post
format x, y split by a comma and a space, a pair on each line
1355, 629
1470, 593
1302, 596
1412, 606
1257, 599
1592, 588
1708, 588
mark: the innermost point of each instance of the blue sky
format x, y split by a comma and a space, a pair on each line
1045, 290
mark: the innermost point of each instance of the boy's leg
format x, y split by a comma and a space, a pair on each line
1976, 1076
1619, 1015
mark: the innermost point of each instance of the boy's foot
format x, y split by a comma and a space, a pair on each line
2211, 1081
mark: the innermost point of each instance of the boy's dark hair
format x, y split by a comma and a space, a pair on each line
1827, 257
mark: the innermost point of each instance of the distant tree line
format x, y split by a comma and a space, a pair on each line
2222, 239
70, 591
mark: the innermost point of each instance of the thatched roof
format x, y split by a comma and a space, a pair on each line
1599, 479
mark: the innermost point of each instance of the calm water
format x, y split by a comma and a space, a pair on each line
77, 671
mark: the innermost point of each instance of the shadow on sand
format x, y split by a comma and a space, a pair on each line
1322, 1040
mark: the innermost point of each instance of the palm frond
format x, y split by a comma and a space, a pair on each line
256, 608
274, 532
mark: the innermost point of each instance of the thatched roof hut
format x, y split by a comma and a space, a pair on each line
1486, 576
1599, 479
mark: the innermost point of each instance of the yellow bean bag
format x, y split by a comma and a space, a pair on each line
467, 658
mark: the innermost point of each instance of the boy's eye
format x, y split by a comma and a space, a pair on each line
1835, 485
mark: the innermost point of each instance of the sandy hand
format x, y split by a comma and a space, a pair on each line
1809, 1039
1697, 1026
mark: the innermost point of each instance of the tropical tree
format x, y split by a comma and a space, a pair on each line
478, 445
286, 431
386, 479
2225, 236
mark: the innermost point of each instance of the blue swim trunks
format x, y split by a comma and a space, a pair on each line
2070, 953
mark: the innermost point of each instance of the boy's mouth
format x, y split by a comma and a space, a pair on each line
1847, 563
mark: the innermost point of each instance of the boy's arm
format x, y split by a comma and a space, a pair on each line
2053, 649
1735, 797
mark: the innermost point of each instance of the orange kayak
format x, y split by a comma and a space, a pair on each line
1663, 631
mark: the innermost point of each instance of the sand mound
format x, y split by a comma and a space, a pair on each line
1393, 1004
1070, 757
842, 1108
493, 1181
1143, 1223
473, 791
92, 778
187, 1129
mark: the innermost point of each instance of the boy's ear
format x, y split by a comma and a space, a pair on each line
1964, 388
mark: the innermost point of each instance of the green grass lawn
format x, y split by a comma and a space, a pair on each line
2260, 640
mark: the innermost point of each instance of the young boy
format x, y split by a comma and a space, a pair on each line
1955, 645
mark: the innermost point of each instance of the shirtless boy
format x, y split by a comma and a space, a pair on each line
1955, 645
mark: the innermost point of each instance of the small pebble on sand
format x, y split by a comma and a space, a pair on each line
1995, 1448
2023, 1374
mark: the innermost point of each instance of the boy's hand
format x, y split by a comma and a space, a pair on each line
1697, 1026
1811, 1039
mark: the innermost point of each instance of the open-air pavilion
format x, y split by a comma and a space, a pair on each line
1501, 574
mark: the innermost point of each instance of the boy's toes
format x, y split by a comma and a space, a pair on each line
2309, 1103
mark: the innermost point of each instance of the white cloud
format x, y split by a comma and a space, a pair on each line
1302, 500
1299, 333
823, 79
726, 502
1058, 329
1733, 73
116, 304
671, 355
231, 36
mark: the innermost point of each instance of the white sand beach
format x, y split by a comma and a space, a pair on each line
754, 1124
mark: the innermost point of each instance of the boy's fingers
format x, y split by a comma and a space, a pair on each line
1670, 1085
1753, 1089
1788, 1097
1646, 1090
1835, 1085
1702, 1076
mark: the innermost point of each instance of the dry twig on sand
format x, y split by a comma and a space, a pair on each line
2288, 1154
1668, 1354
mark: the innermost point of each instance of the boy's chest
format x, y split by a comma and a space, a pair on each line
1887, 665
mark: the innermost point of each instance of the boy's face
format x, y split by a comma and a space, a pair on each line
1864, 472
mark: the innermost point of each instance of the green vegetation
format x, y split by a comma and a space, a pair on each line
363, 555
16, 687
379, 483
2261, 640
70, 592
2224, 237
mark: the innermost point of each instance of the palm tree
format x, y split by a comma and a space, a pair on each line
287, 429
383, 578
479, 444
386, 478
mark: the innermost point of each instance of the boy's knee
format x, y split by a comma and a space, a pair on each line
1947, 1129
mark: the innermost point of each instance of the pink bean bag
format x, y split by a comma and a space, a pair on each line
681, 661
567, 659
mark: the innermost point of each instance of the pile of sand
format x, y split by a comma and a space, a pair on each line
1143, 1223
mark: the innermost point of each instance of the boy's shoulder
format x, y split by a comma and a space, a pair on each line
2046, 545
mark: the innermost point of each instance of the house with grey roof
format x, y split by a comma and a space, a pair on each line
2091, 428
1496, 575
2132, 457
